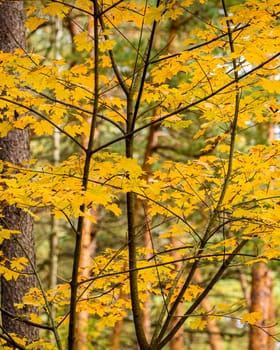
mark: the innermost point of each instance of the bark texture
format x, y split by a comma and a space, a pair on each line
261, 301
14, 148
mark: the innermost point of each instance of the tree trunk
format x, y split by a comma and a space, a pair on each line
14, 148
87, 252
261, 301
262, 296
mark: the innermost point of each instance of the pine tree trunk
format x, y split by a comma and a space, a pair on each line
261, 300
14, 148
262, 296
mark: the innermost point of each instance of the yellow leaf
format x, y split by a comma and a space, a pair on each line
154, 14
192, 292
199, 133
8, 273
251, 317
5, 127
85, 5
56, 9
114, 208
187, 3
6, 234
83, 42
106, 45
17, 339
33, 297
22, 123
19, 263
197, 323
33, 23
30, 10
40, 344
42, 127
35, 318
152, 160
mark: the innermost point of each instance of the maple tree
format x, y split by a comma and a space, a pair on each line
204, 211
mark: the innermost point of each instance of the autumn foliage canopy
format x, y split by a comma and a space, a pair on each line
168, 113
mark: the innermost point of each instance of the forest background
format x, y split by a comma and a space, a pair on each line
152, 187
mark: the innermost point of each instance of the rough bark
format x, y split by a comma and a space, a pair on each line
262, 296
261, 301
14, 148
